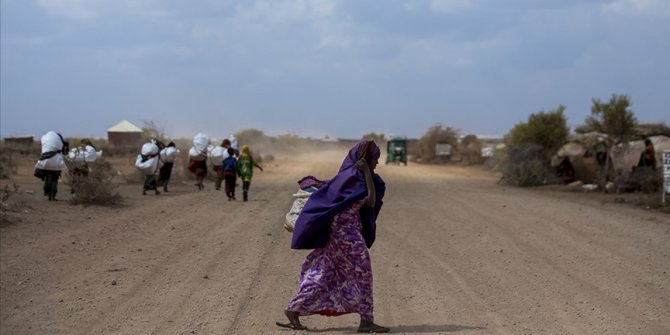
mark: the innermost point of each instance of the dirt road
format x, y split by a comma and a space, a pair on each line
456, 253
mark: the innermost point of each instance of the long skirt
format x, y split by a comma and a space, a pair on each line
198, 167
51, 182
337, 279
164, 174
150, 182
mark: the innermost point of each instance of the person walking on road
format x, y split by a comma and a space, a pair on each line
229, 171
246, 164
339, 223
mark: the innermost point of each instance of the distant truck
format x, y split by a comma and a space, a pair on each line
396, 150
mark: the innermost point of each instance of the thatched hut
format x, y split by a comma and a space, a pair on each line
124, 133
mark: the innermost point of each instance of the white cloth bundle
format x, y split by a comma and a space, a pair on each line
233, 142
149, 166
199, 149
201, 142
83, 156
193, 153
217, 155
149, 149
55, 163
292, 216
169, 154
153, 163
51, 141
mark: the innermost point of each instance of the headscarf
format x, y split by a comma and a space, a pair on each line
245, 152
312, 228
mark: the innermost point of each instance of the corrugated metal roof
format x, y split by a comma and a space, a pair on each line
125, 127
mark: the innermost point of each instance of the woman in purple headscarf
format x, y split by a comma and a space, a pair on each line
338, 222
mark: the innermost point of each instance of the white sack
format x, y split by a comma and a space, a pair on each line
83, 156
201, 142
169, 154
148, 167
149, 149
196, 154
51, 142
233, 142
217, 155
298, 204
55, 163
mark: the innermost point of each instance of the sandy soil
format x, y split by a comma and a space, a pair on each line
456, 253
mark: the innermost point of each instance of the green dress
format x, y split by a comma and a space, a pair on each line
245, 167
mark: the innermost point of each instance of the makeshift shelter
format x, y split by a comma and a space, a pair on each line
625, 157
124, 133
583, 151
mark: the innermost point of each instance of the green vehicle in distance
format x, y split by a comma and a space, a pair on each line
396, 151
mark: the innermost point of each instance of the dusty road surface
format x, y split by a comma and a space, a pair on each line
456, 253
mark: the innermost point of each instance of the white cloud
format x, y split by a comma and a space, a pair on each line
452, 6
657, 8
91, 9
278, 12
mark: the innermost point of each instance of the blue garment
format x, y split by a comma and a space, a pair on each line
229, 165
312, 228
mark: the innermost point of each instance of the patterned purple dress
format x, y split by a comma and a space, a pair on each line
337, 279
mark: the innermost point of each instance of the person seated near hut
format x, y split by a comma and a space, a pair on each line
566, 171
648, 156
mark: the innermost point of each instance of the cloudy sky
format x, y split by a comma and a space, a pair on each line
325, 68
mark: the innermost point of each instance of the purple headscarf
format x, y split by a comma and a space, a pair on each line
312, 228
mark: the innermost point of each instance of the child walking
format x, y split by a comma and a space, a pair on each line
246, 165
229, 168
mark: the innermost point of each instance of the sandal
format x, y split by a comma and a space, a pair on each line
370, 327
291, 326
294, 321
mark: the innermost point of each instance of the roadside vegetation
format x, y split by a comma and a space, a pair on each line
525, 157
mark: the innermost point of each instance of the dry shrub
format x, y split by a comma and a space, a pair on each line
96, 188
641, 179
11, 201
9, 155
527, 165
6, 192
471, 150
437, 134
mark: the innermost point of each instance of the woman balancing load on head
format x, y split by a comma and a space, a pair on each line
338, 222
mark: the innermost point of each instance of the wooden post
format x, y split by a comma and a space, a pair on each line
666, 174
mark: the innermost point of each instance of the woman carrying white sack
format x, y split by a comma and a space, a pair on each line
216, 157
51, 162
148, 162
82, 158
198, 158
168, 156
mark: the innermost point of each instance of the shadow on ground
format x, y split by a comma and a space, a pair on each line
406, 329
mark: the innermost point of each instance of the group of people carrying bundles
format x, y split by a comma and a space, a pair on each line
156, 162
338, 221
227, 162
55, 151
